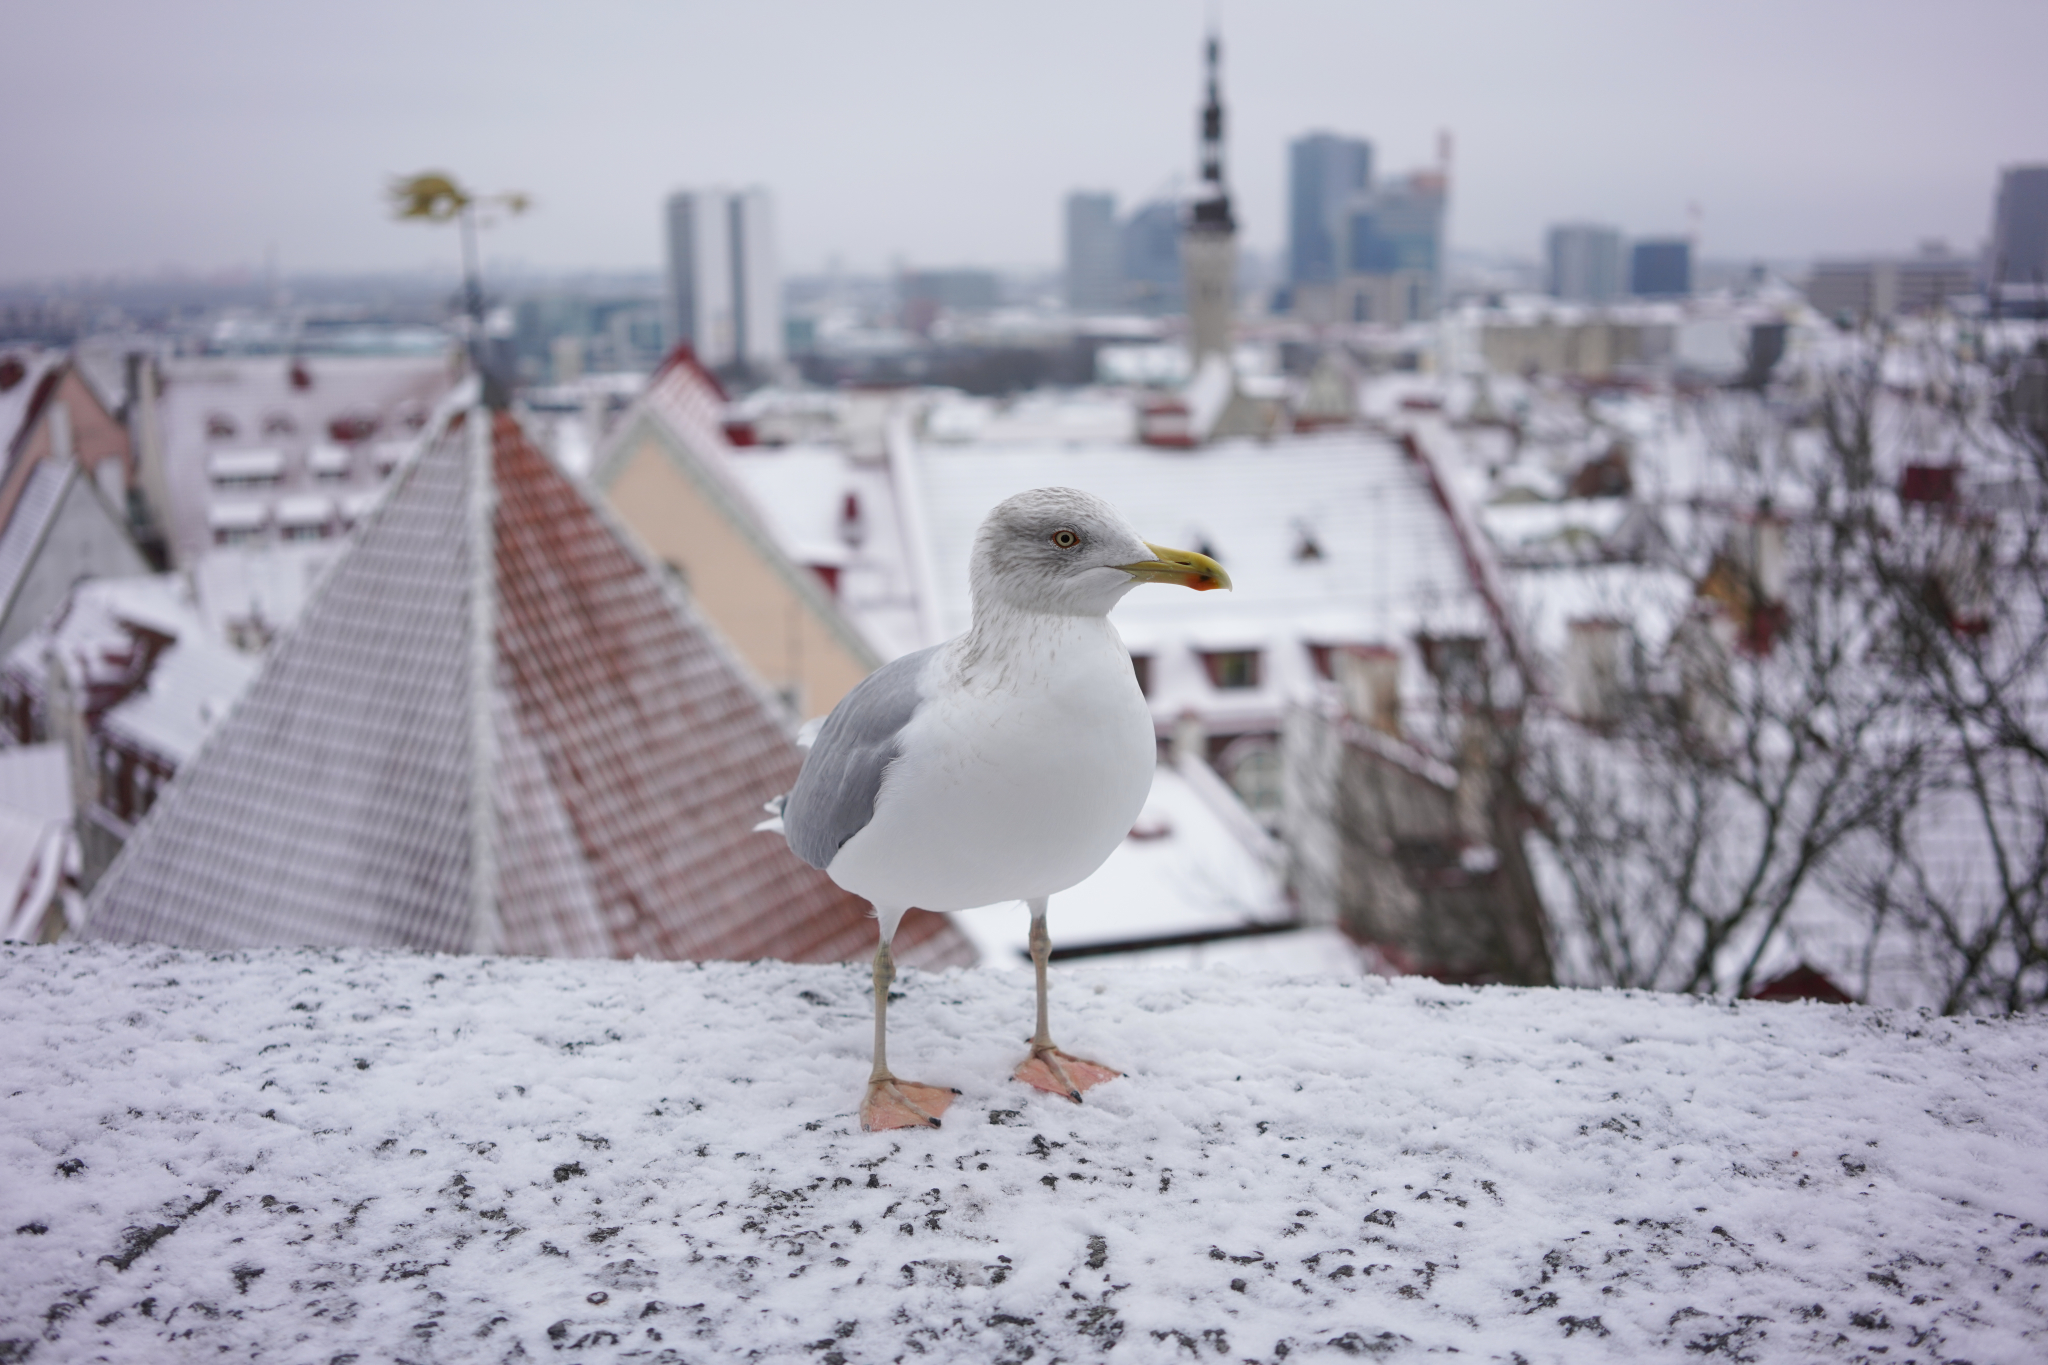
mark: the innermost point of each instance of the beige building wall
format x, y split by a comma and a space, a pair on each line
773, 611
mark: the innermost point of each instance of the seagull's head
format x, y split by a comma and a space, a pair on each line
1069, 553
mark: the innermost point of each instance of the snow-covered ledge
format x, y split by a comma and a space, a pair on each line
297, 1155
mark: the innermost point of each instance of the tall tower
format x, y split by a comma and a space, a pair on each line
1209, 239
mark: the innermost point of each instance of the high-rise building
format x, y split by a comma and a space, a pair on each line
1394, 251
1209, 245
1660, 269
1584, 262
1325, 174
1094, 268
1148, 247
2019, 228
724, 288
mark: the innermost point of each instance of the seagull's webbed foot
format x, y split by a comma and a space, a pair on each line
1061, 1073
891, 1103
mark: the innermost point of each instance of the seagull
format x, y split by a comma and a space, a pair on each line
1003, 765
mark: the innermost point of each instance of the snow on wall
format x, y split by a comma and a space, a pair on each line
298, 1155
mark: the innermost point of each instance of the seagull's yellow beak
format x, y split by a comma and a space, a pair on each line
1184, 567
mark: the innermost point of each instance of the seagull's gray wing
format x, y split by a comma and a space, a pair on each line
834, 797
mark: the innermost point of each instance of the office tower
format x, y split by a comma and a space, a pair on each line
2019, 228
1585, 262
1325, 174
1394, 252
1093, 266
1148, 248
1660, 269
1209, 244
724, 289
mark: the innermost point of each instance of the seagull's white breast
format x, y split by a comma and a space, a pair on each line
1016, 783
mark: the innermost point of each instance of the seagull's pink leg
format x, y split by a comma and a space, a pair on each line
1048, 1068
891, 1103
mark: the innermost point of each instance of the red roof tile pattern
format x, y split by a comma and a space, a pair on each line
631, 754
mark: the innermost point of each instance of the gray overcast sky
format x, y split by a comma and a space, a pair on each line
201, 133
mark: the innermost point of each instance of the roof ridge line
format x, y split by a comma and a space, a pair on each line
70, 471
487, 928
678, 597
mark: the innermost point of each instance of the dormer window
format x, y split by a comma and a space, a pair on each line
1232, 669
352, 427
279, 424
328, 462
220, 427
245, 468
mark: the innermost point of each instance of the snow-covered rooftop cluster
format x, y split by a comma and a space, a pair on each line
310, 1155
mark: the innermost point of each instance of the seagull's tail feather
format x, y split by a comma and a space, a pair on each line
773, 824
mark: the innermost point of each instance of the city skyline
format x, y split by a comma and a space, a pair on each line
916, 135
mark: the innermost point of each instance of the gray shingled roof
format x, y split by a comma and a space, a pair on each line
493, 728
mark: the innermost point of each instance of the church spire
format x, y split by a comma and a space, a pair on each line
1212, 207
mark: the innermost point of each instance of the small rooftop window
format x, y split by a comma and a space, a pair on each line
220, 427
244, 468
1232, 669
352, 427
328, 461
279, 424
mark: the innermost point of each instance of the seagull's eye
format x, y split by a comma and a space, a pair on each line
1065, 539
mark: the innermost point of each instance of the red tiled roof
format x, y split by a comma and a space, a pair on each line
629, 755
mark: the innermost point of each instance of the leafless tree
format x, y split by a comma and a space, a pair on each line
1955, 882
1698, 811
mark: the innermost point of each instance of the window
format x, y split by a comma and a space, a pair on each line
352, 427
1252, 767
220, 426
1232, 669
279, 424
313, 531
238, 535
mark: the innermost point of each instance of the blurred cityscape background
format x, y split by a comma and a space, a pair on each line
1624, 598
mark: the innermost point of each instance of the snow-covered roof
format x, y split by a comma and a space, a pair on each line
238, 516
305, 509
356, 506
285, 1154
191, 689
1386, 562
33, 512
582, 780
35, 781
190, 686
328, 458
245, 464
266, 584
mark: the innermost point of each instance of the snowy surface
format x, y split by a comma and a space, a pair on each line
301, 1155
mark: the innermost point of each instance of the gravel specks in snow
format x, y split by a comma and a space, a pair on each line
298, 1155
